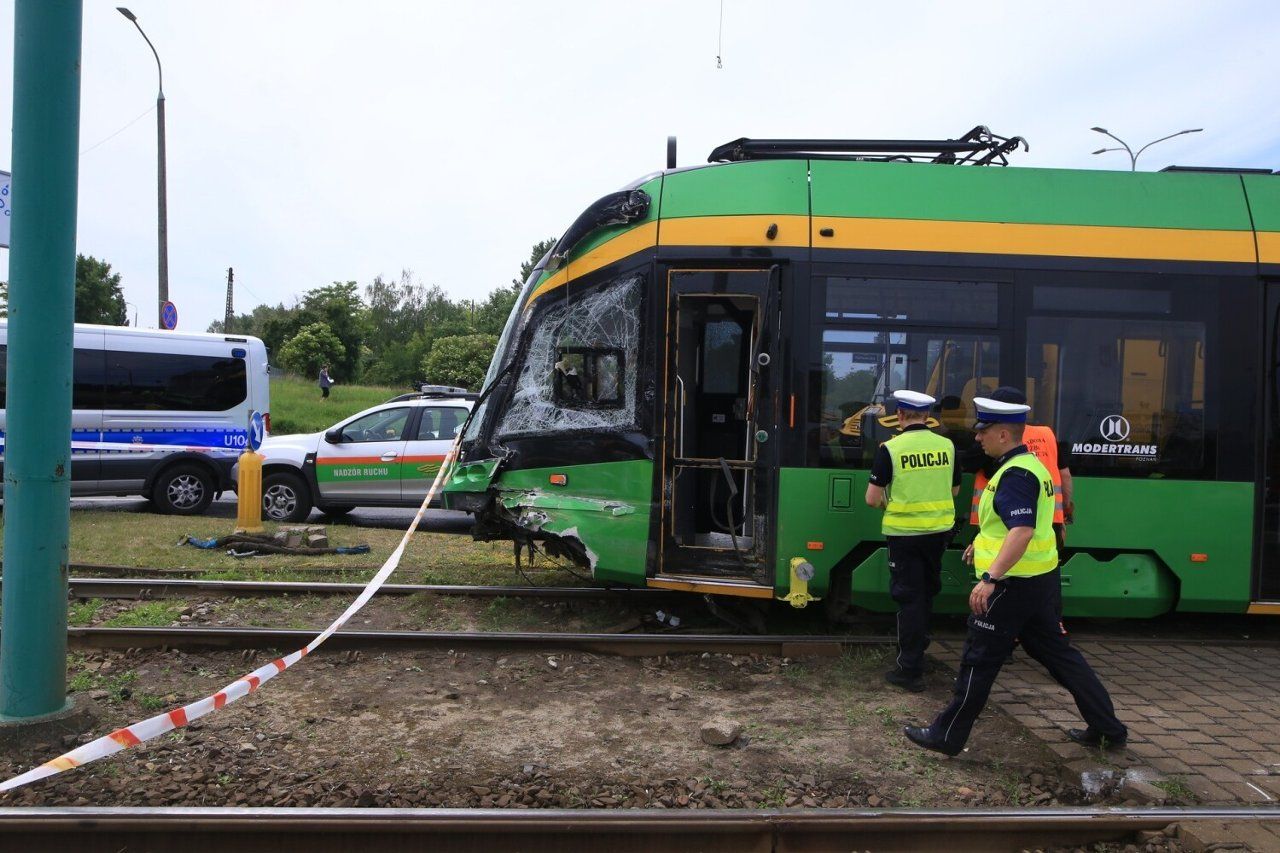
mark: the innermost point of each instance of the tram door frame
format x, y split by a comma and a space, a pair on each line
1266, 585
694, 486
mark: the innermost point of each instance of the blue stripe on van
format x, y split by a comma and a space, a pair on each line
219, 439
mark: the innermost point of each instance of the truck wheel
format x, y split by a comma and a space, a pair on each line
285, 497
183, 490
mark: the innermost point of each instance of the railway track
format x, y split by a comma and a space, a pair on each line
318, 830
146, 588
1135, 633
625, 645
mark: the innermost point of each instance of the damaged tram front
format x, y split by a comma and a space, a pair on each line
632, 409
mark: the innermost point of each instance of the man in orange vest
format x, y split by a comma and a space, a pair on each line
1041, 441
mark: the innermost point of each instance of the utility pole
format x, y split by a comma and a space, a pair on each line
231, 277
42, 269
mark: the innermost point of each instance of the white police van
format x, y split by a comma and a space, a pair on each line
159, 414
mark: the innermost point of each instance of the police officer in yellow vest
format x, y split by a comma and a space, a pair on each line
1015, 557
915, 478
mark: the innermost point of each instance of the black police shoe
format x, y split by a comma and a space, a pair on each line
921, 737
1088, 737
905, 680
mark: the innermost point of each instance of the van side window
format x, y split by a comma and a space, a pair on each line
86, 386
142, 381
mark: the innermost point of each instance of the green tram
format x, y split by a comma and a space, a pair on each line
690, 389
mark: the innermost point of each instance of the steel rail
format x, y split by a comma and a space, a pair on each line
171, 588
144, 588
321, 830
634, 645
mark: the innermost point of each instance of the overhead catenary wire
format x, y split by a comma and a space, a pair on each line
720, 39
139, 118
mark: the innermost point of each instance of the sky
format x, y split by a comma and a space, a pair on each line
311, 142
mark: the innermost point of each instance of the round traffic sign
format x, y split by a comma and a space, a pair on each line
169, 316
257, 430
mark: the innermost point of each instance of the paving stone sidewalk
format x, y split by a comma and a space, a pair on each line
1206, 714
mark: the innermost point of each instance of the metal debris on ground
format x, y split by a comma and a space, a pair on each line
304, 542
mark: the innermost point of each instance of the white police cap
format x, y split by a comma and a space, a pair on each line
998, 412
913, 401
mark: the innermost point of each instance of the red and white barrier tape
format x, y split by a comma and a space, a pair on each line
161, 723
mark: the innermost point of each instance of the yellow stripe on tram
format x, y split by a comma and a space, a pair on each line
1009, 238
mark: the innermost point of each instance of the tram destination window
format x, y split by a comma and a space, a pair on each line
969, 303
588, 377
1126, 395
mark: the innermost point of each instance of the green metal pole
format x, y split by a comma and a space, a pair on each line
37, 453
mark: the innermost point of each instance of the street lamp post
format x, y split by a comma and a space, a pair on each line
162, 226
1133, 158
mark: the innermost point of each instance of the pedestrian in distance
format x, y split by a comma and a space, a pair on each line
1015, 557
326, 382
915, 479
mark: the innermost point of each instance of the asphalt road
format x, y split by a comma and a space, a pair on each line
435, 521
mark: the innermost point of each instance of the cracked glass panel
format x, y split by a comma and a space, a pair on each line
607, 319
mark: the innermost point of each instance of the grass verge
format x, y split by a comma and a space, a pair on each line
144, 540
296, 405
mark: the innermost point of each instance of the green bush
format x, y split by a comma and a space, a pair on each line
314, 346
462, 360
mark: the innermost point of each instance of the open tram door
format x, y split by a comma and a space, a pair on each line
719, 441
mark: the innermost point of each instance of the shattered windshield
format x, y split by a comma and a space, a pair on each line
569, 377
501, 355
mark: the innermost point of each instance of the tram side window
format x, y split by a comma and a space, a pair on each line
579, 369
861, 368
1126, 394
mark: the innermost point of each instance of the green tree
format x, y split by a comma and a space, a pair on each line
98, 295
338, 306
314, 346
99, 298
539, 249
459, 360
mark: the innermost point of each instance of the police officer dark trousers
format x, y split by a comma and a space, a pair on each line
1015, 555
914, 477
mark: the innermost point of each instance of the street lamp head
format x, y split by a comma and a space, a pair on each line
123, 11
1102, 150
1099, 129
1194, 130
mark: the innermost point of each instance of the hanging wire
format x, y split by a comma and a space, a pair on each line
720, 38
149, 109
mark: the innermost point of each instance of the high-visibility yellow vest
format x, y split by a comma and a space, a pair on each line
919, 498
1042, 551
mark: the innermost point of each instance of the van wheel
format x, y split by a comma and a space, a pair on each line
183, 490
285, 497
335, 510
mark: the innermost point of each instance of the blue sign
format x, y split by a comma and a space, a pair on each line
169, 316
257, 430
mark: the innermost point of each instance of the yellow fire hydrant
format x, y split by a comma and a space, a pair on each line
249, 485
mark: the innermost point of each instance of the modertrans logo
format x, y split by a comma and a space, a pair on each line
1115, 431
